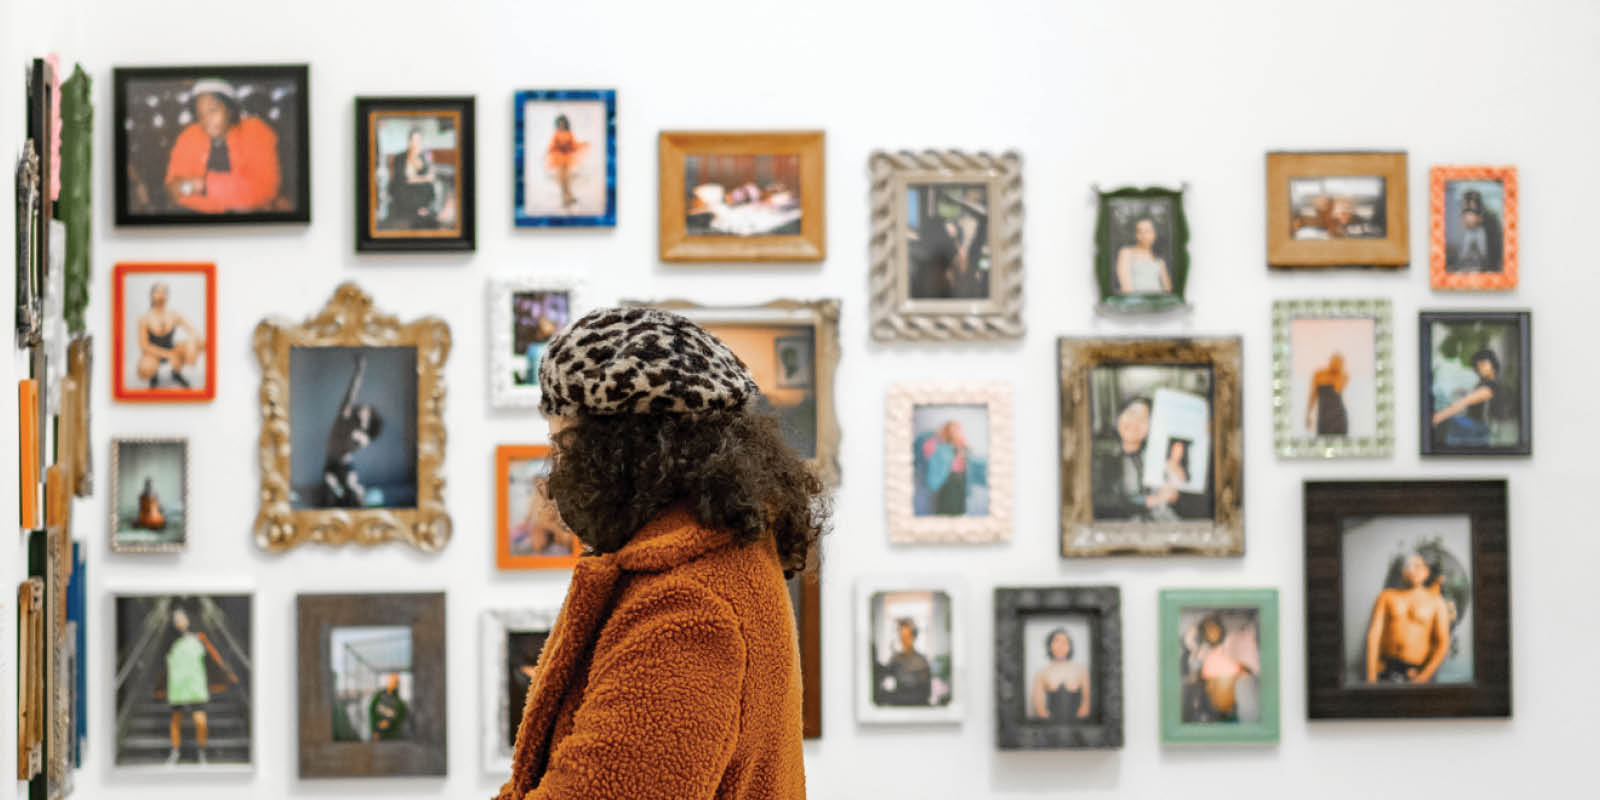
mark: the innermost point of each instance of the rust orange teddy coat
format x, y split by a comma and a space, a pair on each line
672, 672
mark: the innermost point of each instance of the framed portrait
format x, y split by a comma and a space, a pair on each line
909, 650
565, 147
32, 242
1337, 210
807, 415
1058, 667
30, 454
805, 597
529, 532
1477, 383
742, 196
352, 427
372, 685
1333, 378
948, 450
525, 313
211, 144
1141, 249
150, 494
163, 326
1473, 227
47, 728
1219, 666
30, 678
1151, 447
80, 363
185, 689
511, 643
415, 174
1407, 611
946, 246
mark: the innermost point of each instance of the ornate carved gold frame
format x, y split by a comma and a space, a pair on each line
350, 320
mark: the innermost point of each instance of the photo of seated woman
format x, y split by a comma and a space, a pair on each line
164, 336
414, 175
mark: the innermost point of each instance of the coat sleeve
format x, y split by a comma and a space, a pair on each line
660, 715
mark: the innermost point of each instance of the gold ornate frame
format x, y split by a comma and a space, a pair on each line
350, 320
1081, 534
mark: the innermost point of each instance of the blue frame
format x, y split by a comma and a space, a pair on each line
609, 97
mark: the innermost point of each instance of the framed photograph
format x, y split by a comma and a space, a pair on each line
808, 416
1151, 447
566, 157
1407, 611
1337, 210
742, 196
185, 695
805, 597
1058, 667
510, 647
946, 245
1141, 249
415, 174
30, 455
50, 562
909, 656
1219, 666
948, 450
150, 494
31, 245
30, 678
1477, 383
352, 427
525, 313
1473, 227
163, 323
80, 363
211, 145
1333, 378
372, 685
78, 636
529, 533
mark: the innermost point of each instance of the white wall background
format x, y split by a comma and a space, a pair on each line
1091, 92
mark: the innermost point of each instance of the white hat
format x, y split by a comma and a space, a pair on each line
215, 86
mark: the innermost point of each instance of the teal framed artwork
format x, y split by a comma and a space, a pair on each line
1219, 666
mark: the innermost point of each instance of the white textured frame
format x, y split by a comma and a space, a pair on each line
493, 627
112, 494
866, 712
503, 393
899, 407
1285, 443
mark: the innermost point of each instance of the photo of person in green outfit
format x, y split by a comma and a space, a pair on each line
373, 684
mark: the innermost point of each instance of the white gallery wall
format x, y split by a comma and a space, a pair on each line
1107, 93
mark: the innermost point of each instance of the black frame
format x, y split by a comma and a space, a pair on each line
1105, 258
1329, 502
299, 73
1524, 322
1013, 731
466, 199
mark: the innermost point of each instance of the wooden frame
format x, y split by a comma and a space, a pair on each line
807, 589
1012, 605
522, 151
496, 708
1327, 506
30, 678
870, 712
1286, 441
115, 490
503, 389
50, 561
1439, 272
423, 754
504, 558
80, 364
298, 74
464, 235
1105, 255
1174, 730
29, 453
1284, 251
119, 277
1081, 533
675, 243
350, 319
1430, 443
896, 315
905, 524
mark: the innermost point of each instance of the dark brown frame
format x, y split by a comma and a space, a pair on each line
809, 617
428, 752
1011, 605
1326, 504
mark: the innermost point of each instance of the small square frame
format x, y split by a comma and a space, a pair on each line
676, 245
466, 236
953, 588
521, 151
1285, 442
1286, 252
1012, 605
1173, 729
119, 277
1524, 322
899, 409
1442, 278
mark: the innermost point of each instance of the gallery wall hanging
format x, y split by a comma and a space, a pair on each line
509, 647
1476, 383
1472, 227
564, 146
416, 174
1141, 257
1333, 378
1219, 666
911, 657
525, 312
164, 332
742, 196
1337, 210
529, 531
948, 454
1058, 667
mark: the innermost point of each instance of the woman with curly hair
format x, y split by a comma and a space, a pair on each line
673, 670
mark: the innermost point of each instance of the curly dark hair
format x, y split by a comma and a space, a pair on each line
611, 475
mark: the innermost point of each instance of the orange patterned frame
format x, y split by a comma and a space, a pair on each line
503, 456
201, 394
1506, 278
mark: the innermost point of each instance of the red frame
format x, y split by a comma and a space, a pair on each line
503, 456
194, 394
1506, 278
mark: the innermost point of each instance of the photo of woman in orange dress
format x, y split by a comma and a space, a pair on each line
566, 157
565, 152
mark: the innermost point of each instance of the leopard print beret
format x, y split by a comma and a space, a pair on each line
640, 361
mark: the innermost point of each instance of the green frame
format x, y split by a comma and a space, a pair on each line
1173, 729
1104, 258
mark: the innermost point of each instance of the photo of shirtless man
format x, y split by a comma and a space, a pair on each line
1408, 637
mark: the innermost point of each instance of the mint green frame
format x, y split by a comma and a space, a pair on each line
1173, 729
